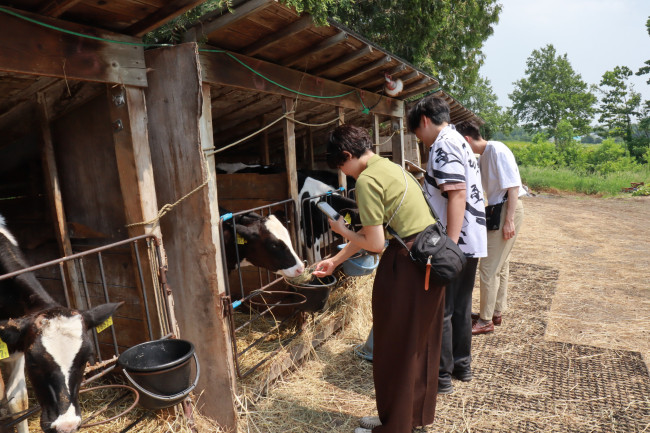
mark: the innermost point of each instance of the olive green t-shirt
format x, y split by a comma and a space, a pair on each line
379, 190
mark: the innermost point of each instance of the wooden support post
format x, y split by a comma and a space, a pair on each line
398, 140
288, 105
73, 294
343, 182
377, 145
175, 98
128, 112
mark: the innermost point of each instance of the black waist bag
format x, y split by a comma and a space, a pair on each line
432, 247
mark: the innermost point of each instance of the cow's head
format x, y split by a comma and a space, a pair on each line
56, 347
265, 242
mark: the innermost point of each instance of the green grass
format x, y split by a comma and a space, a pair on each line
565, 179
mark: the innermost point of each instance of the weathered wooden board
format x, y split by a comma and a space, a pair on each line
87, 169
221, 69
29, 48
239, 186
174, 104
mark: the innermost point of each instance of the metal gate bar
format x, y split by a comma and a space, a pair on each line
289, 208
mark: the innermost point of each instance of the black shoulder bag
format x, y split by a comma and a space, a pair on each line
432, 248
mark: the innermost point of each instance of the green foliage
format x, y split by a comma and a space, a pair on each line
609, 157
619, 104
542, 153
550, 93
566, 179
443, 37
645, 69
480, 98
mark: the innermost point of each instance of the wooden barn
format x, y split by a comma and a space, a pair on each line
99, 134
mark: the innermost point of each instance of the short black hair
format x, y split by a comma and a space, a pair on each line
346, 138
469, 128
434, 108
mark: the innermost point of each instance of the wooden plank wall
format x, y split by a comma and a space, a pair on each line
94, 207
174, 107
241, 191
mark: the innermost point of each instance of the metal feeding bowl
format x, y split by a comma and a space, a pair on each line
317, 291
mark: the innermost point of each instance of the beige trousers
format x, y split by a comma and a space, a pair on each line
494, 268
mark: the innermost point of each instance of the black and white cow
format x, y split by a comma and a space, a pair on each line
314, 225
260, 241
47, 341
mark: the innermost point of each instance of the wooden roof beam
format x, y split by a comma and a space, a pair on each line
416, 89
315, 49
227, 69
171, 10
375, 80
364, 69
56, 8
217, 22
65, 56
295, 27
341, 60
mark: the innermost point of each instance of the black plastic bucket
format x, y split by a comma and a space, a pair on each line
160, 370
317, 291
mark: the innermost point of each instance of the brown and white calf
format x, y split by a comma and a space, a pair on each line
47, 341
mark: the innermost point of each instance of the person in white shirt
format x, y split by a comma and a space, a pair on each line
502, 184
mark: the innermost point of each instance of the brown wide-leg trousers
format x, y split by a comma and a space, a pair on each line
408, 333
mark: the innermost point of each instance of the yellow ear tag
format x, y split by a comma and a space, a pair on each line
4, 350
241, 240
348, 218
107, 323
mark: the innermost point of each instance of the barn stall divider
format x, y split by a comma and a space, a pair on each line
259, 305
97, 288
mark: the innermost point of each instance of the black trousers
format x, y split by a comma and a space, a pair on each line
455, 353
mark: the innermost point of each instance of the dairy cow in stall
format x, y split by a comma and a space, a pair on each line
311, 183
47, 341
260, 241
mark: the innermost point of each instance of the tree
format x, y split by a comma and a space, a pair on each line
552, 92
619, 104
480, 98
645, 69
442, 37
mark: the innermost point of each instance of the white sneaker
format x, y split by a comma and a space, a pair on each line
362, 430
369, 422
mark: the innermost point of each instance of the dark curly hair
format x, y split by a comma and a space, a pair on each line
434, 108
346, 138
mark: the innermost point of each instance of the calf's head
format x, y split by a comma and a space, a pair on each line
56, 347
265, 242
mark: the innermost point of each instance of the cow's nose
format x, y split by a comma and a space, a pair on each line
300, 270
70, 427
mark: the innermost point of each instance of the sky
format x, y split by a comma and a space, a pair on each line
596, 35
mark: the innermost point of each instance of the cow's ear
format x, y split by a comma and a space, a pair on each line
280, 215
12, 331
245, 233
98, 315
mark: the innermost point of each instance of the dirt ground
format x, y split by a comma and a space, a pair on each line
601, 247
571, 356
